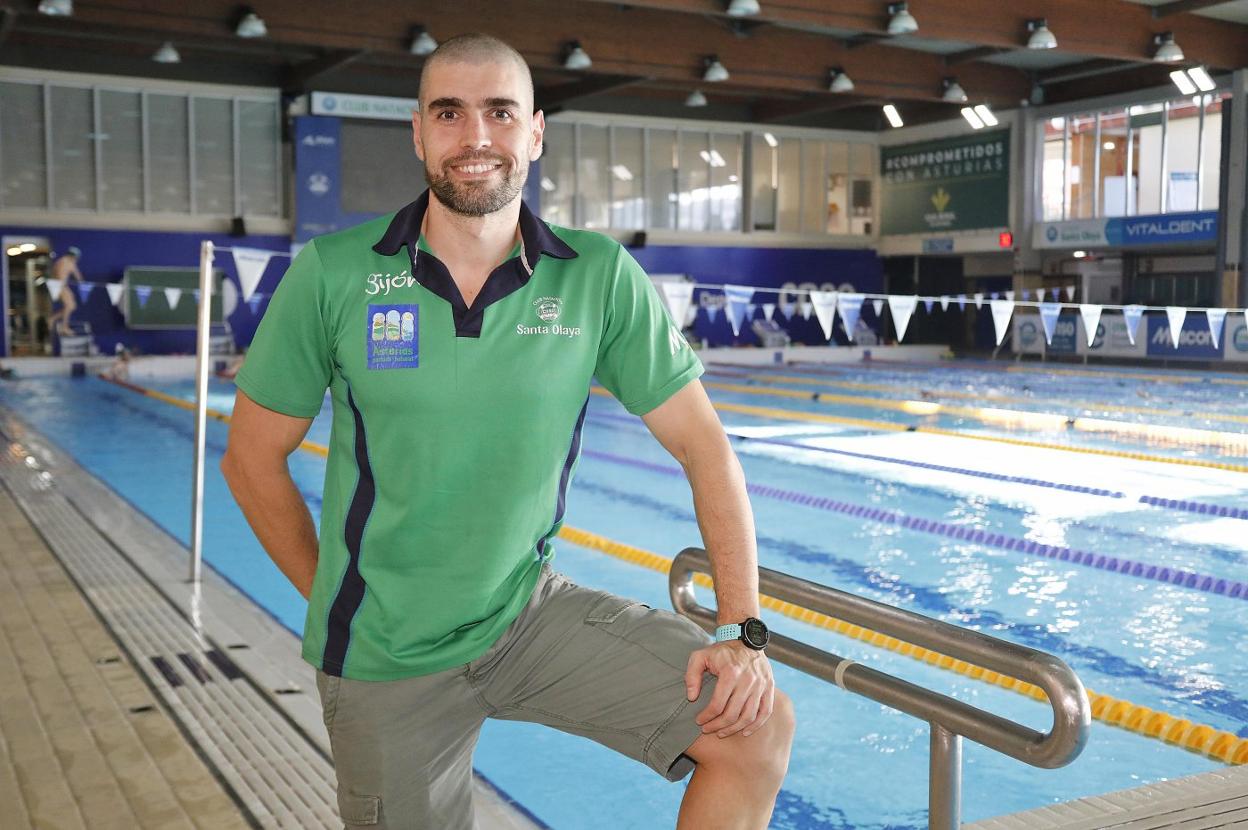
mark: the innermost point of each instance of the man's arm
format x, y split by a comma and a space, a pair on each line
687, 426
255, 468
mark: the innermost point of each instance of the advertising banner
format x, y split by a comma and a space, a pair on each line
1029, 334
342, 105
1195, 341
317, 165
1129, 231
1235, 339
952, 184
1113, 339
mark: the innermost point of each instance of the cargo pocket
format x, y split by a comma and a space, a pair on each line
359, 810
609, 610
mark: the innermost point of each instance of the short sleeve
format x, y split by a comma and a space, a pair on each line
643, 359
289, 364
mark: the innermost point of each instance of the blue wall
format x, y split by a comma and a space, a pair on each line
107, 253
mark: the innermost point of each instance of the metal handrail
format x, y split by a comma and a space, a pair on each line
950, 719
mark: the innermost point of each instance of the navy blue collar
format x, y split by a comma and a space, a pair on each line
535, 235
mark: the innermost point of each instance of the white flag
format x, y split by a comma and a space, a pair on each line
825, 309
1002, 310
1091, 315
769, 310
172, 295
678, 296
979, 300
849, 306
803, 308
250, 263
1131, 315
944, 303
1176, 316
115, 290
1009, 295
878, 305
1216, 317
902, 307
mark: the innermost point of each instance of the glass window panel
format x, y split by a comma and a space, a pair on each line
214, 156
167, 162
593, 169
1082, 160
836, 197
863, 159
628, 211
121, 150
695, 179
1182, 150
380, 169
558, 174
1115, 164
73, 151
726, 182
862, 206
1054, 170
814, 204
1147, 128
259, 140
790, 190
23, 169
1210, 166
765, 180
661, 179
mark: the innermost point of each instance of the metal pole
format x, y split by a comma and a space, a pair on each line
944, 796
201, 406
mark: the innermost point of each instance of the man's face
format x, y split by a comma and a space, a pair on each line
475, 134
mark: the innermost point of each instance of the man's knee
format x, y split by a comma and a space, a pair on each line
763, 756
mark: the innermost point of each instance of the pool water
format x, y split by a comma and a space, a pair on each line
859, 508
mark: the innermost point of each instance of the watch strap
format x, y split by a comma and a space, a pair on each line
724, 633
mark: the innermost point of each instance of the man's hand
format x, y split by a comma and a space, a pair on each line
744, 688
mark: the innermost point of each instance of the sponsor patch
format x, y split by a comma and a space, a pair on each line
392, 336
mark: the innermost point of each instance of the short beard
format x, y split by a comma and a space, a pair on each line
476, 199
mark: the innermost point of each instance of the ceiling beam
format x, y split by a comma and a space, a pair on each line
1087, 69
553, 99
774, 112
300, 76
976, 54
1184, 6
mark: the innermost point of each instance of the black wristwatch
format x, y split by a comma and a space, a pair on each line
753, 632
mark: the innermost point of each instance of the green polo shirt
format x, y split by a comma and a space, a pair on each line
456, 430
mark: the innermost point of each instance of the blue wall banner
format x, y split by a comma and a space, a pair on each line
1195, 341
1129, 231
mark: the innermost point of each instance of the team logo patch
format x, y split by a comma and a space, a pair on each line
392, 336
548, 308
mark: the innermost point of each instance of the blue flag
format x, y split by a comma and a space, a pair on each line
142, 292
738, 297
1131, 316
850, 308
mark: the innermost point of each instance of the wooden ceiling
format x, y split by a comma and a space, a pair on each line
649, 54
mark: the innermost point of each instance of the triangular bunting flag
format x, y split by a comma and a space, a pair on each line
927, 304
1049, 312
996, 295
769, 311
979, 300
1176, 316
115, 290
1002, 310
712, 313
902, 307
172, 295
750, 309
677, 296
254, 301
825, 309
737, 296
878, 305
1026, 293
787, 308
1057, 294
944, 303
54, 289
84, 291
1009, 295
1091, 315
1070, 293
1216, 317
250, 263
850, 307
804, 308
962, 302
1131, 316
142, 292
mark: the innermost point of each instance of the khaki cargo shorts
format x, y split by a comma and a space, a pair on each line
579, 660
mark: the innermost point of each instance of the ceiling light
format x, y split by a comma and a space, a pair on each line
1041, 37
27, 247
1108, 145
894, 117
743, 8
622, 173
715, 71
901, 22
771, 140
1200, 76
575, 57
423, 43
56, 8
167, 54
1167, 50
840, 81
696, 99
1183, 82
14, 251
251, 25
986, 115
1079, 254
548, 184
953, 91
971, 118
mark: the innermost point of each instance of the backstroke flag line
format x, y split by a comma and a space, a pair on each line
850, 307
678, 296
902, 308
1002, 310
825, 309
1091, 315
1176, 315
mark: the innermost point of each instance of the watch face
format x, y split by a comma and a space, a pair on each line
756, 633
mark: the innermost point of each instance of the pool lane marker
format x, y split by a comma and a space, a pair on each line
1199, 738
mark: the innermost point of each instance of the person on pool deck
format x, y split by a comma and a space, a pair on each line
65, 269
458, 338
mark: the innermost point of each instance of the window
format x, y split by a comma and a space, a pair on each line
121, 151
627, 177
1148, 128
23, 170
862, 174
725, 160
661, 185
694, 175
558, 180
1211, 152
836, 197
73, 148
1081, 153
765, 180
1053, 179
168, 156
789, 206
259, 139
593, 171
214, 156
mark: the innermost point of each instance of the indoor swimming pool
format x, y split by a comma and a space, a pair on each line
1094, 514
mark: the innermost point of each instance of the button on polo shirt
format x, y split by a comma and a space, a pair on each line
456, 429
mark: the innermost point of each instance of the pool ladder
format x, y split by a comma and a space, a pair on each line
950, 719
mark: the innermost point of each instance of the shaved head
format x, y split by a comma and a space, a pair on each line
477, 48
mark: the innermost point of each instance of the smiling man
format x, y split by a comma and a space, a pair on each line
459, 393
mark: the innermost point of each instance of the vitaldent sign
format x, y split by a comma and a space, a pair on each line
1125, 232
363, 106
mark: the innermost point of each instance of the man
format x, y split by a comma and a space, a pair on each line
65, 270
458, 338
